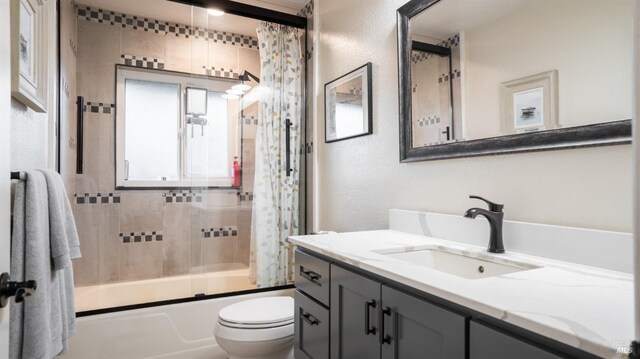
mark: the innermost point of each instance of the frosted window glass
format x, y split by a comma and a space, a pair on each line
208, 154
152, 113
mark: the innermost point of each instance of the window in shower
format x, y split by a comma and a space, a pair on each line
159, 143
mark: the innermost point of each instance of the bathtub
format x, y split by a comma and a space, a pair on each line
155, 290
176, 331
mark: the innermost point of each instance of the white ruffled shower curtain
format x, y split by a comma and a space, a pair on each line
275, 203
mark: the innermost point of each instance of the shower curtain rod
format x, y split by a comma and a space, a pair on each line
254, 12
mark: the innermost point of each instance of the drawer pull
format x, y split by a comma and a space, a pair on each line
367, 320
309, 275
310, 319
384, 339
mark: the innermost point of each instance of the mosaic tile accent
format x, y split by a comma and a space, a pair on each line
307, 10
229, 231
355, 91
100, 107
97, 198
250, 120
113, 18
139, 237
147, 63
182, 197
419, 56
221, 72
245, 196
428, 121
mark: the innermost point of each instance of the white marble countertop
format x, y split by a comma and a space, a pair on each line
584, 307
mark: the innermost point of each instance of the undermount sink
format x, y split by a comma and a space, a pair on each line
457, 264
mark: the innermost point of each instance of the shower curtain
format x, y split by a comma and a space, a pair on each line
275, 203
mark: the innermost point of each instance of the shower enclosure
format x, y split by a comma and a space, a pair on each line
161, 105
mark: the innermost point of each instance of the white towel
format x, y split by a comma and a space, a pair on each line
40, 326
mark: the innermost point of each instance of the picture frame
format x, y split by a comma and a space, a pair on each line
348, 105
29, 53
530, 103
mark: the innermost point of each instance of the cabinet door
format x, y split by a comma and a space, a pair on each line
311, 328
489, 343
354, 315
413, 328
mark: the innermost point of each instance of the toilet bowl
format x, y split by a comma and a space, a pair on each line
257, 328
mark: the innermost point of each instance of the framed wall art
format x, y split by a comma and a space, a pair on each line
530, 103
29, 53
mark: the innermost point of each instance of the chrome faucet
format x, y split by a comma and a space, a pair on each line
495, 216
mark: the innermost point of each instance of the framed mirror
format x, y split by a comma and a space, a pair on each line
347, 105
502, 76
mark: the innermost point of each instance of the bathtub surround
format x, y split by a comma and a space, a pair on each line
181, 219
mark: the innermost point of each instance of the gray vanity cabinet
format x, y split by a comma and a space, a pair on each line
354, 315
488, 343
414, 328
371, 320
311, 323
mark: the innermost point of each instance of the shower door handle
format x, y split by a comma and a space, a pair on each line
80, 134
126, 170
288, 148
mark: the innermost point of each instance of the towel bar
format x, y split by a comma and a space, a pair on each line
18, 176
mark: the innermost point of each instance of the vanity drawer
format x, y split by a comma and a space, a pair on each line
489, 343
311, 328
312, 277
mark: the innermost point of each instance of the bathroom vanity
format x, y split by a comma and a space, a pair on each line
411, 294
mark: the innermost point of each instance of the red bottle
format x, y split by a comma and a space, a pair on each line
236, 171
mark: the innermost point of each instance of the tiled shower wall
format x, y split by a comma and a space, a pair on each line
133, 235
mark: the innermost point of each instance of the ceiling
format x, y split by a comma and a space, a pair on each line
447, 18
196, 16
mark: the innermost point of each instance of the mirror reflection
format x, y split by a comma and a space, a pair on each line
482, 69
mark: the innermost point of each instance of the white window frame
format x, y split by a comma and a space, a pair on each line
184, 80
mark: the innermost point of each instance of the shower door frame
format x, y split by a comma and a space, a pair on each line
233, 8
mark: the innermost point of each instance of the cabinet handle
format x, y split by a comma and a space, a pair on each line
310, 275
384, 339
367, 319
310, 319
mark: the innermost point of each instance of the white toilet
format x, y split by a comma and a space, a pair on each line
257, 328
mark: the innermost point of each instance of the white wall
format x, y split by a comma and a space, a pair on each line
587, 41
360, 179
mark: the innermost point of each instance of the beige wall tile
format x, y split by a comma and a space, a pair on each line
98, 51
223, 56
141, 211
143, 44
177, 54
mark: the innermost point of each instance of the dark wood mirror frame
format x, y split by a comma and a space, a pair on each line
601, 134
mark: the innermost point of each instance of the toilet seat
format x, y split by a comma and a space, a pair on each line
254, 320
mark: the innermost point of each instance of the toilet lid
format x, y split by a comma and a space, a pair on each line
259, 311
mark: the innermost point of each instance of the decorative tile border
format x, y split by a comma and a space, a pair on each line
355, 91
100, 107
245, 196
65, 86
147, 63
140, 237
97, 198
419, 56
250, 120
182, 197
221, 72
309, 147
74, 48
229, 231
113, 18
428, 121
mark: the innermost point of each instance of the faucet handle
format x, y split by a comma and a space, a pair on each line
493, 207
